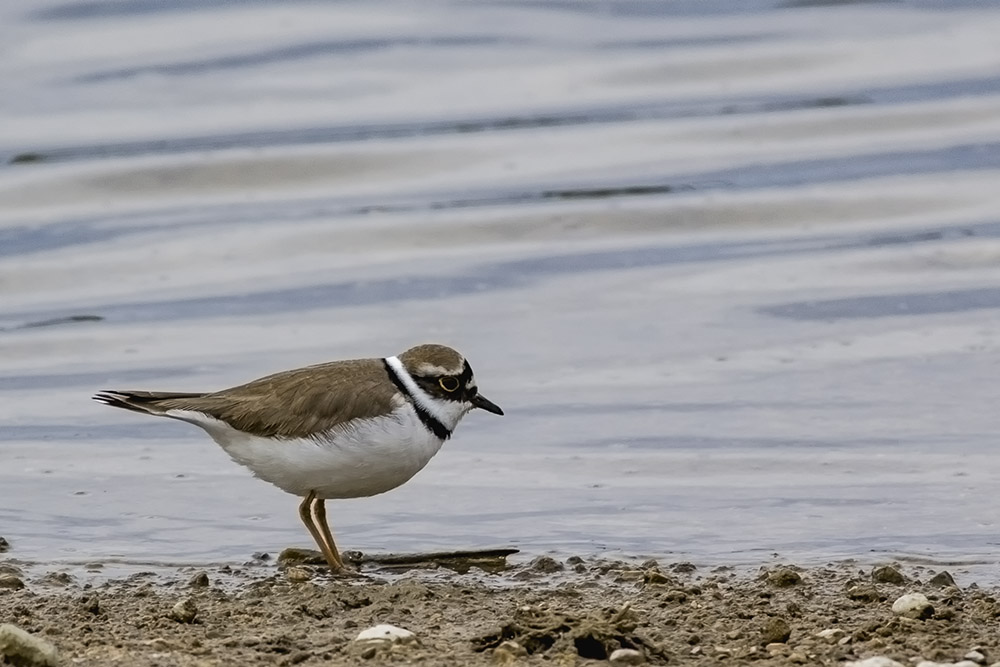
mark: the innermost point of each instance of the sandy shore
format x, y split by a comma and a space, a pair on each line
541, 612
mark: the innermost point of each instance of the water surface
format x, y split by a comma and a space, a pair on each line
733, 275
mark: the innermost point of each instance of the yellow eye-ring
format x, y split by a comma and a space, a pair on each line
449, 383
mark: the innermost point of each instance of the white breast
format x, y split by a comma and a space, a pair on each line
363, 457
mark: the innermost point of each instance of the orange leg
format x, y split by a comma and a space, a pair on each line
331, 555
319, 516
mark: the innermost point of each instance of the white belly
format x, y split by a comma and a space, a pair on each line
361, 458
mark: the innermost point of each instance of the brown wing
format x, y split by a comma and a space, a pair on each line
294, 404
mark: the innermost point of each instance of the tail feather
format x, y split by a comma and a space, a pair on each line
146, 402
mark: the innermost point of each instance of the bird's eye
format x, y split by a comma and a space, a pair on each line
449, 383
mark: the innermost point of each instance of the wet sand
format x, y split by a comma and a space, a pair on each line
542, 611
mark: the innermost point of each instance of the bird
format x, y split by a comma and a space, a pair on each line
342, 429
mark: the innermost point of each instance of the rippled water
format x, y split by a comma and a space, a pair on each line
734, 275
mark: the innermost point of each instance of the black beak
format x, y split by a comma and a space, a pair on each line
481, 401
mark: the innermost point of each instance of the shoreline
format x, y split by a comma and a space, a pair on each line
571, 610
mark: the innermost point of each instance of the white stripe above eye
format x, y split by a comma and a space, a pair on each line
420, 397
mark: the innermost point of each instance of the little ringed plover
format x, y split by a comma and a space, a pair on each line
343, 429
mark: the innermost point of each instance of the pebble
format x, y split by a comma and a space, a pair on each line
184, 611
509, 652
942, 579
385, 633
21, 648
887, 574
200, 580
776, 631
776, 648
626, 656
652, 576
297, 556
11, 581
877, 661
913, 605
297, 574
4, 545
864, 593
545, 565
91, 604
784, 577
831, 635
57, 579
976, 656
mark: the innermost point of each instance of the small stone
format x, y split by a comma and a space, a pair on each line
545, 565
369, 652
776, 648
297, 657
60, 579
21, 648
976, 656
864, 593
877, 661
775, 631
297, 574
91, 604
676, 595
509, 651
386, 633
262, 556
653, 576
11, 582
200, 580
184, 611
296, 556
831, 635
158, 644
683, 568
784, 577
887, 574
4, 545
626, 656
942, 579
913, 605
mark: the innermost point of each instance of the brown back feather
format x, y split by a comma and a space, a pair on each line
299, 403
